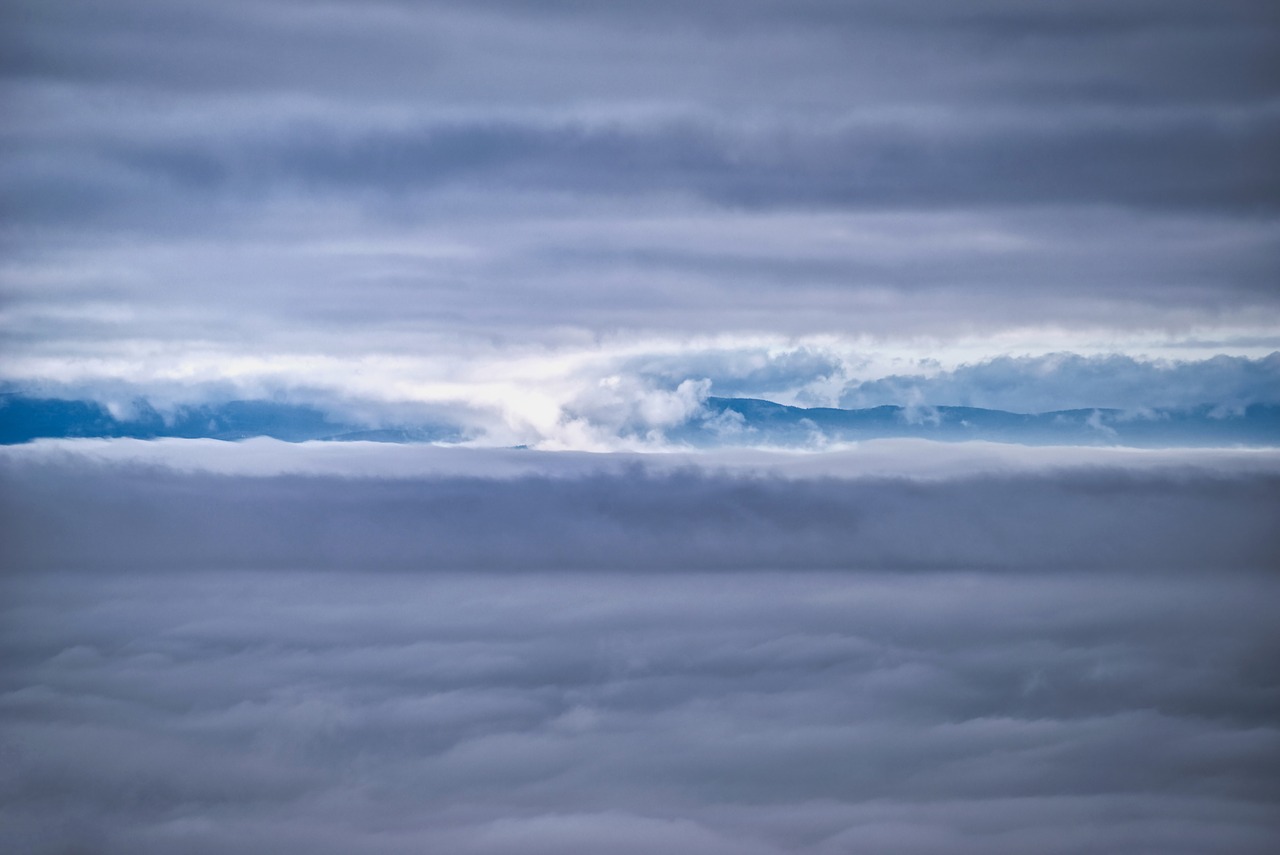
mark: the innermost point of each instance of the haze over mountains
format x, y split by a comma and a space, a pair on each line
720, 422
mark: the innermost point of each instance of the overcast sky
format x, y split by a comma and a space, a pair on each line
566, 225
498, 207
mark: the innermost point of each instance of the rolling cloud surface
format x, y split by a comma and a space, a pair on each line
1071, 654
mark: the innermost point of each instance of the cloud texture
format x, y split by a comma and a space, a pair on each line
358, 195
632, 518
568, 225
1060, 655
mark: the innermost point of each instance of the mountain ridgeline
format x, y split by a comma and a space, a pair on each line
722, 422
745, 421
23, 419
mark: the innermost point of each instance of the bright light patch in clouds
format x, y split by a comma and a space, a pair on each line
627, 390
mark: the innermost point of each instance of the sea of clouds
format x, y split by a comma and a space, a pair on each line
900, 648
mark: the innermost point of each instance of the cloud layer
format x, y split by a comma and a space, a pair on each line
681, 519
568, 225
311, 193
624, 657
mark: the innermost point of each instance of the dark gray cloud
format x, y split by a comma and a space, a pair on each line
1097, 50
214, 172
1179, 162
1077, 662
691, 520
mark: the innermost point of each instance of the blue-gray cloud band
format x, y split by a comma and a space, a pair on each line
1109, 165
134, 517
1077, 662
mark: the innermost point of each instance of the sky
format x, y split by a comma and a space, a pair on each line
530, 218
566, 233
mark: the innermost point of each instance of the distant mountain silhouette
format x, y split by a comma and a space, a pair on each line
723, 422
25, 418
749, 421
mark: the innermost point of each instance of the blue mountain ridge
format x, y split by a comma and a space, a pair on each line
723, 422
24, 418
749, 421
